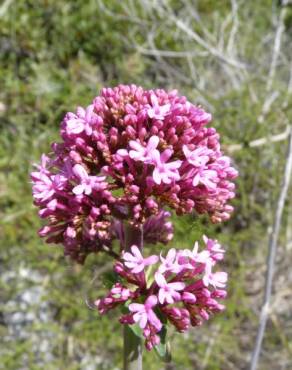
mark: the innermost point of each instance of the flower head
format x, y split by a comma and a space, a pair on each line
128, 155
183, 290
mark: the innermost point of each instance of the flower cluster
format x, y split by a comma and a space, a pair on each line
126, 156
182, 289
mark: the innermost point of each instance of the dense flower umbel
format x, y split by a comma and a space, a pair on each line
125, 156
182, 289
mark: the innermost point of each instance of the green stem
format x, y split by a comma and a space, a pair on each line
132, 343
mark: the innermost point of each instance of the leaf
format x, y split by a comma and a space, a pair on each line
137, 330
163, 348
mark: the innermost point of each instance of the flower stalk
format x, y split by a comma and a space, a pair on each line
132, 343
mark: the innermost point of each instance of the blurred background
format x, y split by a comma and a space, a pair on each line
234, 57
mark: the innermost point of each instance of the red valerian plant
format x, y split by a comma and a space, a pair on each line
124, 160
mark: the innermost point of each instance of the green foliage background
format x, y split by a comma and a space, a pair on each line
57, 54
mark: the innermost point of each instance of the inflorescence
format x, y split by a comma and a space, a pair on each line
181, 289
126, 157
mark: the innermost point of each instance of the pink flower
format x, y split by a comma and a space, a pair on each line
170, 262
199, 257
157, 111
198, 157
87, 183
217, 279
214, 248
143, 313
135, 261
141, 153
47, 186
82, 121
206, 177
168, 292
165, 172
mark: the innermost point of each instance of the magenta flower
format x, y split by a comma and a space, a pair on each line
87, 183
141, 153
82, 121
135, 262
170, 262
168, 292
143, 313
157, 111
46, 186
206, 177
165, 172
217, 279
200, 257
214, 248
198, 157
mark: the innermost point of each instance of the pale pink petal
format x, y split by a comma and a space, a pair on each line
135, 155
161, 296
151, 301
166, 155
164, 109
123, 152
173, 165
169, 298
153, 143
128, 257
156, 176
136, 252
160, 279
80, 172
78, 189
80, 112
143, 320
153, 319
136, 146
136, 307
177, 285
154, 100
171, 255
138, 268
150, 260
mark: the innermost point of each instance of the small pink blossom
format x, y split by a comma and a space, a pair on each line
143, 313
206, 177
217, 279
214, 248
157, 111
168, 292
87, 183
198, 157
82, 121
135, 261
199, 257
46, 186
141, 153
165, 172
170, 262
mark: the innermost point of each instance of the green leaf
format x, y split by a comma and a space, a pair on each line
163, 348
137, 330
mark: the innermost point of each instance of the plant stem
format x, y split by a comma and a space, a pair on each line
132, 343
